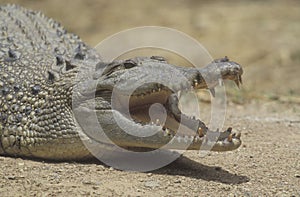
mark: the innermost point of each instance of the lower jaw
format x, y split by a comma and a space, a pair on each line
176, 142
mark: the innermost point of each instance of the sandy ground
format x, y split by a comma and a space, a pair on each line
262, 36
267, 164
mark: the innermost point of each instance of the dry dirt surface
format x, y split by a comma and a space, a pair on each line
267, 164
261, 35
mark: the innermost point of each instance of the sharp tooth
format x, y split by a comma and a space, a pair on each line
230, 138
157, 122
195, 82
221, 83
240, 79
200, 132
191, 138
212, 91
179, 139
178, 94
168, 131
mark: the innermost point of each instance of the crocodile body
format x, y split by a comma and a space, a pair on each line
39, 65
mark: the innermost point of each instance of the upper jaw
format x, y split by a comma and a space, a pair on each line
149, 75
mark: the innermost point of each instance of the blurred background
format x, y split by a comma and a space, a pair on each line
263, 36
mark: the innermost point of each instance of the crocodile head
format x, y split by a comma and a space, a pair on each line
136, 103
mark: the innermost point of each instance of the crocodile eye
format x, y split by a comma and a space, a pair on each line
129, 65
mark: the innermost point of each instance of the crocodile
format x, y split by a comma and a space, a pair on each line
40, 64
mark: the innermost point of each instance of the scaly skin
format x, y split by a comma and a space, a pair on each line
48, 76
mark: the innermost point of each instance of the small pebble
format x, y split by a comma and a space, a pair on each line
151, 184
177, 181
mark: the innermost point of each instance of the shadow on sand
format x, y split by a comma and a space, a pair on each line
183, 166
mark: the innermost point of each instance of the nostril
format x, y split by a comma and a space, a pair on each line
236, 69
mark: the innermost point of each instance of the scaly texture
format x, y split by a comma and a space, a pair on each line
34, 52
39, 62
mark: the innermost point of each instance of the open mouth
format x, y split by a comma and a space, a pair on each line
149, 116
160, 107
